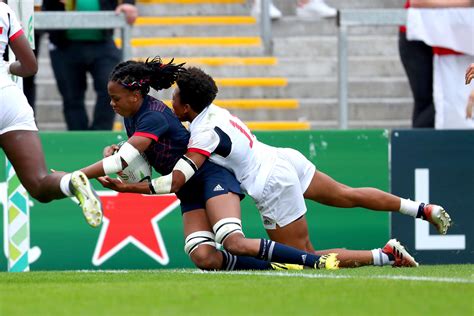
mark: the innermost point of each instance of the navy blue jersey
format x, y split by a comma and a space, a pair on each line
156, 121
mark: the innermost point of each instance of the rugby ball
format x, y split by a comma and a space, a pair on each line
138, 170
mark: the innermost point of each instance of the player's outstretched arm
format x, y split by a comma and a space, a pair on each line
182, 172
119, 186
171, 183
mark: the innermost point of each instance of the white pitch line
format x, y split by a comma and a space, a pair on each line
333, 276
294, 275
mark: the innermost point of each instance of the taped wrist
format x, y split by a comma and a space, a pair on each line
128, 153
162, 184
112, 164
186, 166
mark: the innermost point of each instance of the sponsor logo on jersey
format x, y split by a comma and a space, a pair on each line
218, 188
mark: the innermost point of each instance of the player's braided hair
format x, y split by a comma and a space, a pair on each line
139, 75
196, 88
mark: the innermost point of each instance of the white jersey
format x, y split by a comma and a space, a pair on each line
15, 112
10, 28
227, 142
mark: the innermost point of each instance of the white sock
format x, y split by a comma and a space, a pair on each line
380, 258
409, 207
64, 185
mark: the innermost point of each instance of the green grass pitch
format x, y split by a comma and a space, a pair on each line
427, 290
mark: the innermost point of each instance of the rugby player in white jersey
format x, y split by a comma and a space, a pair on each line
19, 134
280, 179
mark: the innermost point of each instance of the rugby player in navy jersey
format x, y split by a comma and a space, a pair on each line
210, 215
280, 179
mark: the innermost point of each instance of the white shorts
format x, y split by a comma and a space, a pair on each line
15, 112
282, 199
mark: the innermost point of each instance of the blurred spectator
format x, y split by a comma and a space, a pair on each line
305, 8
75, 52
417, 59
450, 33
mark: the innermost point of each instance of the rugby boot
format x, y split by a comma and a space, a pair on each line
397, 253
436, 215
88, 198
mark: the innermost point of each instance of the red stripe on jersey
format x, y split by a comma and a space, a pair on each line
1, 30
147, 135
445, 51
199, 151
15, 36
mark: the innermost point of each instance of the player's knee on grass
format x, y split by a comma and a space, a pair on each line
206, 258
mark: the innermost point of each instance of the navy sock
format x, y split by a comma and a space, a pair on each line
276, 252
232, 262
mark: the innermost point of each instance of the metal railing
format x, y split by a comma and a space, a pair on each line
358, 17
266, 27
86, 20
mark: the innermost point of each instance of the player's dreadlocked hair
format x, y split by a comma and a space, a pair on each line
138, 75
196, 88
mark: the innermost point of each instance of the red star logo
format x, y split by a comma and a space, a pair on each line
133, 218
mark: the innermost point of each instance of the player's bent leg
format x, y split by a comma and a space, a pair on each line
204, 255
228, 231
200, 245
25, 152
295, 235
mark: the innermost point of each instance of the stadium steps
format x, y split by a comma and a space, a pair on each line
303, 68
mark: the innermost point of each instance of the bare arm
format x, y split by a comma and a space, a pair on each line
26, 64
440, 3
97, 169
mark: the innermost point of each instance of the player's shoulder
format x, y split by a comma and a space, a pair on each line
5, 8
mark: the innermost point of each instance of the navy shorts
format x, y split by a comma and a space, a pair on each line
209, 181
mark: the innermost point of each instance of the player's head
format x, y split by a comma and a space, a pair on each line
130, 82
196, 90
